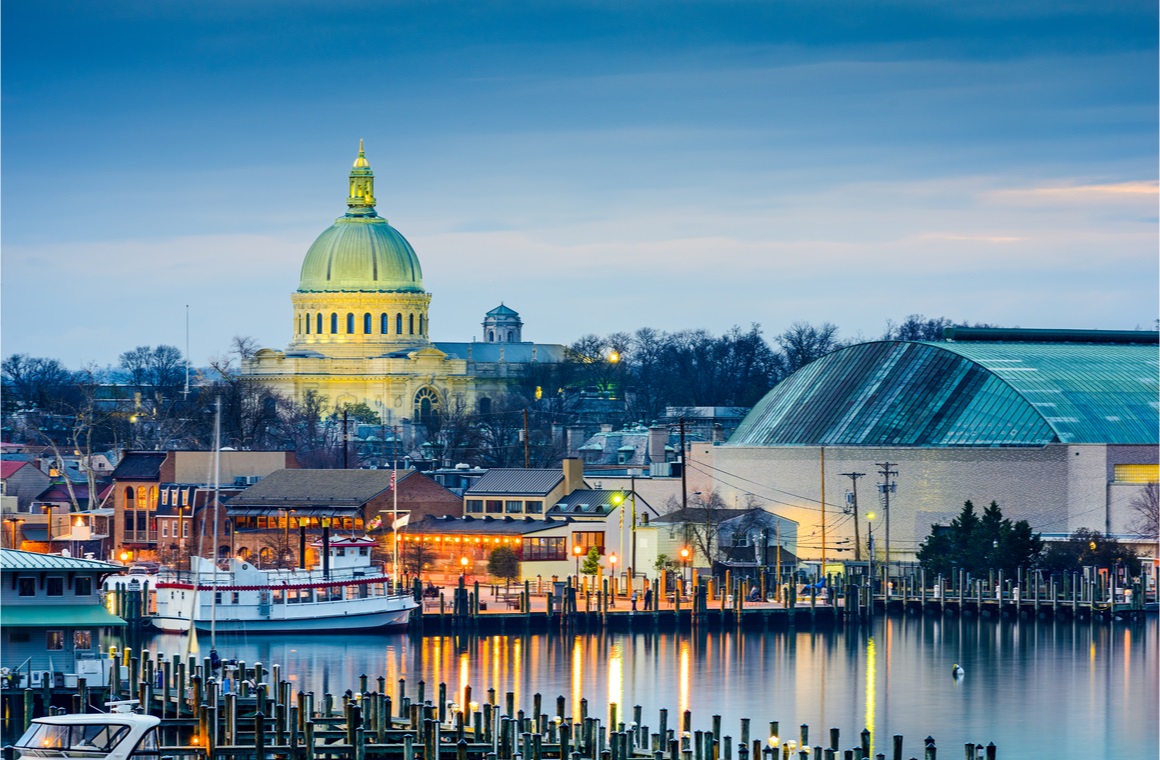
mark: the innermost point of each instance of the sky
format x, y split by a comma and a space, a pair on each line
597, 166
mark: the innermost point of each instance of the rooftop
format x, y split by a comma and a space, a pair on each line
14, 559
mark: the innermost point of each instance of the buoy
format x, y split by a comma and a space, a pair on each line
957, 671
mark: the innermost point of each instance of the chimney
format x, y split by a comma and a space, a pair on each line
575, 439
606, 427
557, 434
573, 475
658, 438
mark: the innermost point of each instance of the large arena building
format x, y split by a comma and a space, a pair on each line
1060, 427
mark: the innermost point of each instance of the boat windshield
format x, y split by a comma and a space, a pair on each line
52, 738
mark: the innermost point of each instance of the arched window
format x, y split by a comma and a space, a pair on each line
421, 325
485, 405
398, 324
244, 553
129, 496
411, 325
511, 337
224, 551
427, 406
318, 324
349, 324
307, 324
367, 323
266, 555
153, 497
333, 323
384, 324
142, 498
491, 336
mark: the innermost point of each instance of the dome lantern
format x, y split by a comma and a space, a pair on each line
361, 201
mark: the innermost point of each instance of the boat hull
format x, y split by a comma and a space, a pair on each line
369, 621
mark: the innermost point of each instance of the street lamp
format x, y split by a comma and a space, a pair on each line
463, 565
612, 572
686, 554
577, 550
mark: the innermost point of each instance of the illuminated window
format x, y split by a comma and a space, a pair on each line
82, 639
54, 640
165, 498
153, 497
586, 539
384, 323
544, 549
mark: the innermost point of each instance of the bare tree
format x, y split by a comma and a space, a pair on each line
803, 343
1145, 507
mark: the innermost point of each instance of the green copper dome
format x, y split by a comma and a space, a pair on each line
360, 251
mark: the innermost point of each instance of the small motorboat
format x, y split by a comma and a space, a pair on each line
117, 735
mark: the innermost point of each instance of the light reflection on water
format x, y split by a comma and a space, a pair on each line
1037, 690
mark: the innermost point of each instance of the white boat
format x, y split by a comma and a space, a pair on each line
119, 735
353, 594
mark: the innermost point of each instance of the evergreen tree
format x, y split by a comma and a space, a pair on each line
591, 564
980, 544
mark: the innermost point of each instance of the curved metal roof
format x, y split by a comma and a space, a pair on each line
897, 393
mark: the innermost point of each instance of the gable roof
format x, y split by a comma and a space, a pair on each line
140, 465
520, 481
9, 467
322, 491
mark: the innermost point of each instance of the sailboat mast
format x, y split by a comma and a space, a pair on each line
217, 477
395, 513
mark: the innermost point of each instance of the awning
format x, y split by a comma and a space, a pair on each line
47, 616
68, 537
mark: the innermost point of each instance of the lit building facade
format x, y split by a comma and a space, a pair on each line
361, 327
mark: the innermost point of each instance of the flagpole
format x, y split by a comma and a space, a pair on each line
395, 512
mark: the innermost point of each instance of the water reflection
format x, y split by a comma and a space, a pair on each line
1047, 689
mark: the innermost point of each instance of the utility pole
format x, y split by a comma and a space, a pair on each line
822, 569
527, 451
853, 476
886, 488
684, 483
345, 439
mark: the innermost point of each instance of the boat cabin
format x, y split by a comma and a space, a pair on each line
115, 736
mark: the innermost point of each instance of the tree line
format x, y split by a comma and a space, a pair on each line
145, 400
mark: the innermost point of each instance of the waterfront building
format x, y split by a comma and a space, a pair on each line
1060, 427
361, 328
54, 625
142, 477
351, 502
549, 516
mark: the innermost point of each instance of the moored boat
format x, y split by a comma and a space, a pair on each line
118, 735
351, 593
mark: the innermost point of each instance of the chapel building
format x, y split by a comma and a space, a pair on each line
361, 327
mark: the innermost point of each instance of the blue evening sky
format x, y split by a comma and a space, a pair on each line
598, 166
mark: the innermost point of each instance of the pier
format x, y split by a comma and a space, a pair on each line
250, 712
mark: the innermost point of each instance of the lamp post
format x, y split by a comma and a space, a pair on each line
577, 550
463, 568
870, 546
612, 573
686, 554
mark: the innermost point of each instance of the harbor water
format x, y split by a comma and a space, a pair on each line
1036, 689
